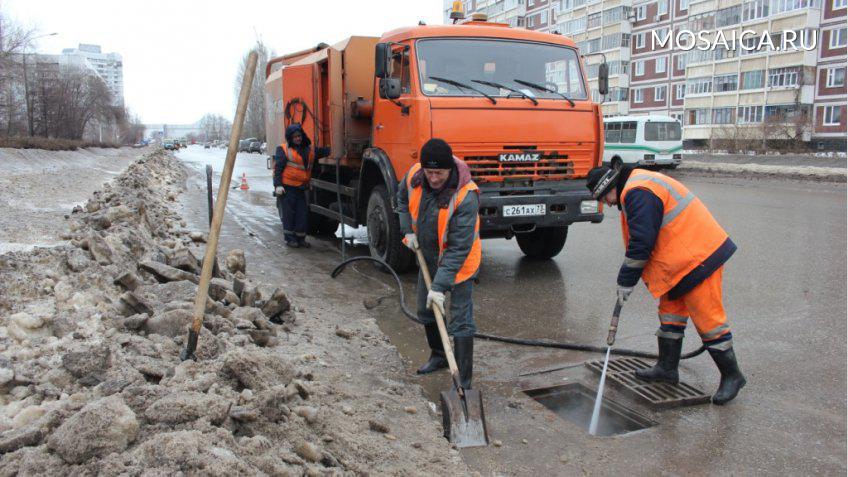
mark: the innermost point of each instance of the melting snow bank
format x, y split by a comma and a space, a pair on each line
91, 381
823, 174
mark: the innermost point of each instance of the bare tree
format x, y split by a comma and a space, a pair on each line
14, 41
215, 127
254, 119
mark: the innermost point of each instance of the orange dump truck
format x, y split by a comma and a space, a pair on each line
513, 103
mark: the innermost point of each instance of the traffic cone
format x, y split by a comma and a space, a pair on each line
244, 185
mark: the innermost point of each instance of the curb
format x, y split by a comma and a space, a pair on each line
805, 173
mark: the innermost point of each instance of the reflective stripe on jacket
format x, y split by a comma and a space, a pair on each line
688, 234
295, 173
472, 262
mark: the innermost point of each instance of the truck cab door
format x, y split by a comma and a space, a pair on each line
393, 120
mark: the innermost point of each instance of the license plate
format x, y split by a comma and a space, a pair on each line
523, 210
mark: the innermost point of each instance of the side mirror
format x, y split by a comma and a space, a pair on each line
382, 55
390, 88
603, 79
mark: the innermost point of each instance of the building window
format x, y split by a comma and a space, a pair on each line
662, 7
782, 112
835, 77
641, 12
753, 79
838, 37
722, 53
638, 95
704, 21
699, 85
725, 83
640, 40
594, 20
782, 77
697, 116
639, 68
544, 18
728, 16
749, 114
751, 10
832, 116
837, 4
660, 65
680, 61
781, 6
680, 91
684, 4
723, 116
659, 37
659, 93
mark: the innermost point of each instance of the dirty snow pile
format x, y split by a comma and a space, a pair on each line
90, 376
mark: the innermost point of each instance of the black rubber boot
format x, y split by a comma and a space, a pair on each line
463, 349
666, 368
732, 379
437, 359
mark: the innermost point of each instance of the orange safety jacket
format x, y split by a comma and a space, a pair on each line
295, 173
688, 233
472, 262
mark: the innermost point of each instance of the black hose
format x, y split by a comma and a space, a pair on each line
505, 339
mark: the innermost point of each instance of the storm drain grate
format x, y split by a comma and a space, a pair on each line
658, 395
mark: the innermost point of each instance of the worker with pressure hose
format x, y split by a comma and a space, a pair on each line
438, 209
293, 162
679, 250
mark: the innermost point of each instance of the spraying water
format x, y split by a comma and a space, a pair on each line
599, 399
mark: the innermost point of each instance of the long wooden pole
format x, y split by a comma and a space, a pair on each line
218, 215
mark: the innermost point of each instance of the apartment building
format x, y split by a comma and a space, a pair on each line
109, 66
830, 87
747, 91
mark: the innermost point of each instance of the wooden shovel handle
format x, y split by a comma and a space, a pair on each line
440, 322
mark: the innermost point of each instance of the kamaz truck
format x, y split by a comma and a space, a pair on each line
514, 105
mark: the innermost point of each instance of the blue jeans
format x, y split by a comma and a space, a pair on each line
294, 213
461, 308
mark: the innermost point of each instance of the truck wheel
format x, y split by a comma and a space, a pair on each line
543, 243
384, 237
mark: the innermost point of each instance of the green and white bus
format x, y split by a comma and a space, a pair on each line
642, 141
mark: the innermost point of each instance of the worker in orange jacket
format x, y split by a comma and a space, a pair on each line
294, 161
678, 249
438, 211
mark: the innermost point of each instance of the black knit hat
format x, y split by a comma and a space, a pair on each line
601, 180
436, 154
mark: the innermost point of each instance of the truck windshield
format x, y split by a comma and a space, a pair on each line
662, 131
499, 62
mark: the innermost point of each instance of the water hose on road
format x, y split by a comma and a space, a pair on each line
506, 339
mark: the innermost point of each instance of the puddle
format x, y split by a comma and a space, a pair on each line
574, 402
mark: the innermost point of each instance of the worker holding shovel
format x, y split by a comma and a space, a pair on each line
678, 249
438, 208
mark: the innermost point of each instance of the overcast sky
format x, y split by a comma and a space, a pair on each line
180, 56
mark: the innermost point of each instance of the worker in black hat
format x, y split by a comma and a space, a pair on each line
678, 249
438, 209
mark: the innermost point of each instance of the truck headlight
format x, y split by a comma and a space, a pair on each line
589, 207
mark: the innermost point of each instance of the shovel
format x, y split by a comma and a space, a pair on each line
463, 419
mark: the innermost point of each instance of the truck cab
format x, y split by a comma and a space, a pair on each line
512, 103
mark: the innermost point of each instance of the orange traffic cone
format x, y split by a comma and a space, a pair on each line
244, 185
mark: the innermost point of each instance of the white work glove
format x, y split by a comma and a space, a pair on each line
411, 241
279, 191
623, 294
435, 300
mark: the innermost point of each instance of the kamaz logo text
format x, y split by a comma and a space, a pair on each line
529, 157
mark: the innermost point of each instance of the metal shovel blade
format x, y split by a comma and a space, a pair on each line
463, 419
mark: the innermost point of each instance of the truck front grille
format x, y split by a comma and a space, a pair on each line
559, 162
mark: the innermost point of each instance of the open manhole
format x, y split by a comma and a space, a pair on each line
658, 395
574, 402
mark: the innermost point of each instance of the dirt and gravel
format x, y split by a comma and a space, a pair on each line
90, 376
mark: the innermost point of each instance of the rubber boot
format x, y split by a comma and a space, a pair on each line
732, 379
666, 368
437, 359
463, 349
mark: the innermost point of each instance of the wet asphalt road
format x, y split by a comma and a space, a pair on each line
785, 293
